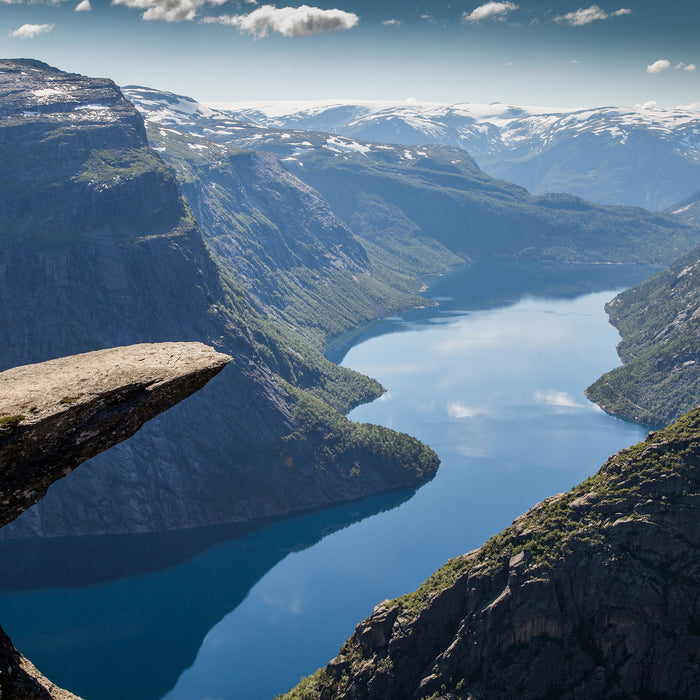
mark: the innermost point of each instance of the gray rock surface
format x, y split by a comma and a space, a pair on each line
57, 414
591, 594
20, 679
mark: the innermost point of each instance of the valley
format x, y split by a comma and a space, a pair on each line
385, 303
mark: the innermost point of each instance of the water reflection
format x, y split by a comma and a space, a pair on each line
491, 285
132, 637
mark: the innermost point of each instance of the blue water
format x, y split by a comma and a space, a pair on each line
492, 379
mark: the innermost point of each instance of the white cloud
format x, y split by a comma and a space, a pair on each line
652, 104
459, 410
168, 10
29, 31
83, 6
692, 107
556, 398
289, 21
685, 66
659, 66
392, 22
586, 15
491, 10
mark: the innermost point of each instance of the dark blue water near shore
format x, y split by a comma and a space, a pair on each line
492, 379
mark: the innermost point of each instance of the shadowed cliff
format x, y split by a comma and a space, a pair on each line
593, 593
98, 249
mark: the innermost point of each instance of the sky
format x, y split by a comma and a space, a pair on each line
561, 53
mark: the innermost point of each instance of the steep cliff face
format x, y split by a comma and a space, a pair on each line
57, 414
98, 249
593, 593
659, 321
278, 239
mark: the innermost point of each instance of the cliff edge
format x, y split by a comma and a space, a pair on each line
593, 593
57, 414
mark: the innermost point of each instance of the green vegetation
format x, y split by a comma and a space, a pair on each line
111, 166
660, 348
10, 421
297, 263
334, 442
68, 400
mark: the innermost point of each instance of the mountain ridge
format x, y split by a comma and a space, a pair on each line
643, 156
436, 198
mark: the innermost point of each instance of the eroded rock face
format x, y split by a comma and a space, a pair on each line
593, 593
57, 414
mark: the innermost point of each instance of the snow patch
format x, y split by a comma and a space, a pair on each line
46, 92
346, 146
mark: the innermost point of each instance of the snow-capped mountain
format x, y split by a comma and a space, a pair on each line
290, 144
643, 156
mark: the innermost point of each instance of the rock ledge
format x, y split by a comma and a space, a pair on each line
57, 414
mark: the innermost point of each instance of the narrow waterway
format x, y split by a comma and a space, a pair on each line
492, 379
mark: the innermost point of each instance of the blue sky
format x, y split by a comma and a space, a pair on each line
562, 53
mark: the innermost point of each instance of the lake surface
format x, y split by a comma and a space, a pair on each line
492, 379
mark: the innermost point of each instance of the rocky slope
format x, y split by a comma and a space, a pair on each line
660, 347
21, 680
688, 209
593, 593
98, 249
642, 156
57, 414
412, 204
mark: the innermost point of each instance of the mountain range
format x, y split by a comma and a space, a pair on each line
642, 156
395, 196
269, 234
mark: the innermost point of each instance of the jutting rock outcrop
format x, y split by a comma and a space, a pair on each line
593, 593
57, 414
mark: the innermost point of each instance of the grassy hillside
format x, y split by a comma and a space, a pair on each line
280, 242
659, 321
